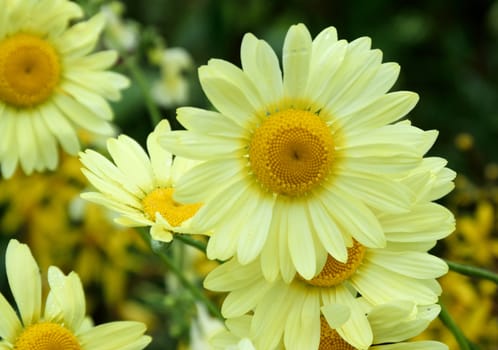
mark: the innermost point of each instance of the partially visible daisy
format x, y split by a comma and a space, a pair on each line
289, 307
140, 188
202, 328
310, 155
62, 324
50, 83
172, 87
391, 324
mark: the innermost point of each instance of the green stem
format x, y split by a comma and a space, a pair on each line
191, 242
196, 293
473, 271
454, 329
138, 76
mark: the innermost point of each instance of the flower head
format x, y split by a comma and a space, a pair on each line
139, 187
391, 325
50, 84
62, 324
301, 162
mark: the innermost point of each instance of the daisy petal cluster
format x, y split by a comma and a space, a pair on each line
51, 85
314, 189
391, 325
62, 323
140, 186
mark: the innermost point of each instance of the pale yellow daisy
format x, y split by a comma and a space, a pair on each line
138, 187
62, 324
309, 156
391, 324
50, 83
290, 307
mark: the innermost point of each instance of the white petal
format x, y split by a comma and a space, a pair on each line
10, 327
61, 128
123, 335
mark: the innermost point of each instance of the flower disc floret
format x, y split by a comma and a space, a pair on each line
160, 200
330, 339
291, 152
29, 70
334, 272
47, 336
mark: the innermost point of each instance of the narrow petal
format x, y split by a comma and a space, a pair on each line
123, 335
91, 100
81, 115
96, 61
28, 152
132, 160
296, 57
10, 327
411, 264
68, 293
46, 143
303, 326
61, 128
355, 218
209, 122
24, 280
356, 330
260, 63
207, 179
300, 240
82, 37
254, 238
327, 231
243, 300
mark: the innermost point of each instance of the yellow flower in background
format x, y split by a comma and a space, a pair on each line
308, 156
140, 188
50, 83
391, 324
65, 231
62, 324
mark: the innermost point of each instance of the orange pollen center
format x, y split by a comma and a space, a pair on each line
330, 339
335, 272
47, 336
161, 201
291, 152
29, 70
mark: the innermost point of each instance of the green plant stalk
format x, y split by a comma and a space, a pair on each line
191, 242
194, 291
445, 317
139, 77
472, 271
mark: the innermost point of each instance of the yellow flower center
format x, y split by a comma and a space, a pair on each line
47, 336
161, 201
330, 339
291, 152
334, 272
29, 70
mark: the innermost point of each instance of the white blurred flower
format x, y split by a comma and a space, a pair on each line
119, 34
172, 88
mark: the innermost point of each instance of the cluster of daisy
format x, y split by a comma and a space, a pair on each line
313, 192
319, 200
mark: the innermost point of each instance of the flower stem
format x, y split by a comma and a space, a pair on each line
196, 293
191, 242
138, 76
473, 271
445, 317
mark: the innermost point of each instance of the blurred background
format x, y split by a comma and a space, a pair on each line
448, 52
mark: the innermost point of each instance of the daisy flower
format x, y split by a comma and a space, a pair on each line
290, 306
50, 83
62, 324
140, 188
391, 324
309, 155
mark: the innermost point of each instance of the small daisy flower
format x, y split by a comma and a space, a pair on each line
62, 324
391, 324
50, 83
307, 158
140, 188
